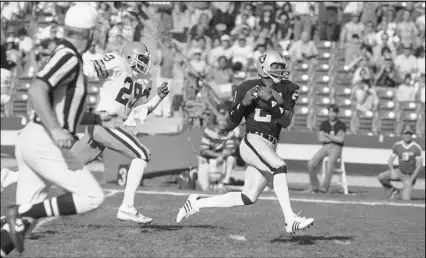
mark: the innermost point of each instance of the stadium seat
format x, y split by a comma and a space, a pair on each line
324, 56
300, 77
386, 104
387, 122
366, 122
322, 90
345, 115
20, 103
322, 101
409, 118
343, 91
343, 101
383, 93
93, 89
324, 45
324, 68
300, 118
321, 78
304, 89
321, 114
408, 106
321, 62
23, 86
341, 169
301, 67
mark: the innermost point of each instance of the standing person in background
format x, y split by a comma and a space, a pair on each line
166, 75
409, 154
351, 37
329, 20
303, 19
331, 135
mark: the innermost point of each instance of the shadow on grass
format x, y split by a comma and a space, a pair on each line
154, 227
309, 240
41, 235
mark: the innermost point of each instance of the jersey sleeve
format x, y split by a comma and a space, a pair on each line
342, 127
395, 149
418, 151
323, 126
101, 68
290, 98
58, 68
239, 94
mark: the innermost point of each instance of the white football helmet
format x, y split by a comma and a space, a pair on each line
266, 60
138, 56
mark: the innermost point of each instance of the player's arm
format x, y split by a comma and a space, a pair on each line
284, 114
100, 68
392, 158
322, 135
162, 92
339, 137
419, 164
242, 100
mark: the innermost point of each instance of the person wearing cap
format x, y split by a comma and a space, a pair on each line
223, 50
406, 63
410, 160
332, 135
58, 95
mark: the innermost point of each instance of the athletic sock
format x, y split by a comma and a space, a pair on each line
6, 243
56, 206
225, 200
282, 193
134, 178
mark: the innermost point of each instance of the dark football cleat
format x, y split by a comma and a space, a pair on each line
16, 227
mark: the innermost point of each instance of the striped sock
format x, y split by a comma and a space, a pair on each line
56, 206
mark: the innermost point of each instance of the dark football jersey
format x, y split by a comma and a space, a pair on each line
259, 118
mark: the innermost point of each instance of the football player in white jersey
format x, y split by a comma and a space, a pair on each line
125, 85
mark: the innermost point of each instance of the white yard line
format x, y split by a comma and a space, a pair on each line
307, 200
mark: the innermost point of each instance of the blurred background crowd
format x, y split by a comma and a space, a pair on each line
367, 57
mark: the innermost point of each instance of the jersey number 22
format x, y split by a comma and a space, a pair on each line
125, 92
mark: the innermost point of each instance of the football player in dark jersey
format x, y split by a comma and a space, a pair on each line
267, 105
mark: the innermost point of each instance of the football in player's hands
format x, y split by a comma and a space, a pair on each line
163, 90
265, 94
251, 94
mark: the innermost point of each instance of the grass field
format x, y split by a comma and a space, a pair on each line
359, 225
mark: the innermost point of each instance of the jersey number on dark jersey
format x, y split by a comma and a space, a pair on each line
125, 92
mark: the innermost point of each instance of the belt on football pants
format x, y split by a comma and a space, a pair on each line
268, 137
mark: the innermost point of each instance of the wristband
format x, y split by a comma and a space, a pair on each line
274, 108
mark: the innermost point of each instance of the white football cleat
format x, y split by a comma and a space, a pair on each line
8, 177
189, 208
130, 213
298, 223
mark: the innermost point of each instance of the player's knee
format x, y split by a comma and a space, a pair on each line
281, 170
381, 177
246, 200
146, 155
96, 197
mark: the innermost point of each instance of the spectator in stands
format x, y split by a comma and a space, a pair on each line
198, 63
180, 17
260, 48
284, 28
406, 91
352, 37
303, 20
25, 42
242, 55
103, 25
216, 153
328, 19
303, 50
406, 30
331, 135
409, 155
420, 88
365, 99
406, 63
384, 42
224, 14
115, 46
364, 60
223, 50
420, 60
222, 78
166, 63
370, 34
246, 16
198, 31
387, 75
267, 21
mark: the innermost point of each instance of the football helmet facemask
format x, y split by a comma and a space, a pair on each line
264, 66
138, 56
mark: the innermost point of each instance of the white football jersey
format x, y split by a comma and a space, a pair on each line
121, 88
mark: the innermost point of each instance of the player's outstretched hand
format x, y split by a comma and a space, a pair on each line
163, 90
264, 93
251, 95
62, 138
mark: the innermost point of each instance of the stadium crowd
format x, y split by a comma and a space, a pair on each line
383, 44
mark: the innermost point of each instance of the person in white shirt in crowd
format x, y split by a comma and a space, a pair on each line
25, 42
419, 87
245, 31
406, 30
406, 91
406, 63
303, 49
370, 34
249, 19
303, 22
200, 44
223, 50
381, 44
242, 54
351, 37
198, 63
